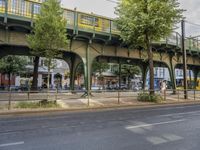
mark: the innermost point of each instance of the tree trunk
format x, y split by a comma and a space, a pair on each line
120, 76
128, 82
151, 65
190, 76
34, 85
48, 77
9, 74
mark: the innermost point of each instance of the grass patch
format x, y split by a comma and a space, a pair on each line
40, 104
146, 97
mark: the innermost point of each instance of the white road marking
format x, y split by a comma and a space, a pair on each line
12, 144
172, 137
154, 124
184, 113
156, 140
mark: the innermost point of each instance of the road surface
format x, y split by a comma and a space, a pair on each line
161, 128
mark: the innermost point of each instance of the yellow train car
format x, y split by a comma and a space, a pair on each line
20, 8
24, 8
86, 21
2, 6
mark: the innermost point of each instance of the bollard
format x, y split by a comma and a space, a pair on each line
194, 95
178, 95
88, 102
56, 96
165, 95
28, 93
9, 100
118, 96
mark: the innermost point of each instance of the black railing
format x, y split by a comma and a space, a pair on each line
97, 98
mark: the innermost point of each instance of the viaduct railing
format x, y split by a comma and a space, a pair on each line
28, 10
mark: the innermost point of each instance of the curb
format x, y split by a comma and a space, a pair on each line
86, 109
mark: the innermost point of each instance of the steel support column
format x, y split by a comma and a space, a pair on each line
87, 70
171, 68
74, 63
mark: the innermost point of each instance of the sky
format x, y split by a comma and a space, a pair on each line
106, 8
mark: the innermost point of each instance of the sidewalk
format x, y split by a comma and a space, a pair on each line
97, 103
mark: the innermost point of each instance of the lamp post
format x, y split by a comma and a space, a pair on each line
184, 59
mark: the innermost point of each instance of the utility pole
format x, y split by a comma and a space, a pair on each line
184, 59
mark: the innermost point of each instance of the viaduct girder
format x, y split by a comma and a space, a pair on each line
98, 38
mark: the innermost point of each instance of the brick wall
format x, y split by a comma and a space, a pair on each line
4, 79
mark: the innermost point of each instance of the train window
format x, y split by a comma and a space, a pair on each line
23, 7
36, 9
14, 6
88, 20
2, 3
69, 15
39, 1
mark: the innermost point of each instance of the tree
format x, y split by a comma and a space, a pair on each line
143, 21
12, 64
99, 68
35, 72
130, 71
49, 32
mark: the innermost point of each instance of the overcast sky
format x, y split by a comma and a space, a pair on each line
105, 8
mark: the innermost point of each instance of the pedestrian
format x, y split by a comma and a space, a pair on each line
160, 86
163, 86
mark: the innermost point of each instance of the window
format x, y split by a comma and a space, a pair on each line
36, 9
161, 72
69, 16
88, 20
156, 72
181, 73
42, 62
23, 8
7, 76
2, 3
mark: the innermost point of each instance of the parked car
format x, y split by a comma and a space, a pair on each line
23, 88
2, 87
123, 87
97, 88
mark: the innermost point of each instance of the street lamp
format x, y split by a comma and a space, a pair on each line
184, 59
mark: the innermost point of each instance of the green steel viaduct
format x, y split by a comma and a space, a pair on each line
92, 37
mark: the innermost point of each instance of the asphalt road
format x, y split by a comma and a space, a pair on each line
163, 128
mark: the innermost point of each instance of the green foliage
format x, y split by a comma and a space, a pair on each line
138, 18
49, 36
143, 21
99, 67
49, 32
130, 70
41, 104
146, 97
12, 64
52, 65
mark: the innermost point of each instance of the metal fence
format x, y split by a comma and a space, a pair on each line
97, 98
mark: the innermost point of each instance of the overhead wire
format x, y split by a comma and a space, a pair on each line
195, 24
112, 1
